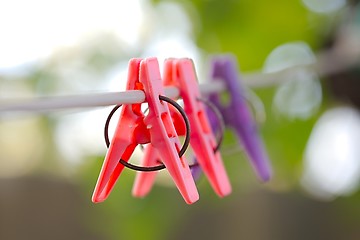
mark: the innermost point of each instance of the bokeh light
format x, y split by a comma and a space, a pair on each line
289, 55
324, 6
300, 96
331, 161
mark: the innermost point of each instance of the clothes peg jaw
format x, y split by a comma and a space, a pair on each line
181, 74
237, 114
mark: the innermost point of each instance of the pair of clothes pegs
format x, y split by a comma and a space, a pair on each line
134, 128
161, 127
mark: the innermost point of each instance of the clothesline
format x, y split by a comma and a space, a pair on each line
328, 63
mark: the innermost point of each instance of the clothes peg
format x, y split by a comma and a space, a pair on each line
135, 128
237, 114
181, 73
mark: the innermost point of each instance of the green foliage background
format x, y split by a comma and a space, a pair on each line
250, 30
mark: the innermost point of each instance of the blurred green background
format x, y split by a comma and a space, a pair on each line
49, 163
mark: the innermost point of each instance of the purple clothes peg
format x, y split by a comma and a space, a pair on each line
196, 171
237, 114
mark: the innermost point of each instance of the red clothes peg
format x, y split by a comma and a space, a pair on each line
156, 128
181, 73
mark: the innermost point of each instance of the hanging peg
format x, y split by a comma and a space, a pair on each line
135, 128
181, 73
237, 114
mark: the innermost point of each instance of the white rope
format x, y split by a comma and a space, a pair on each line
47, 104
328, 63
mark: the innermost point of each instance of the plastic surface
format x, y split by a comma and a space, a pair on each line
181, 73
237, 114
134, 128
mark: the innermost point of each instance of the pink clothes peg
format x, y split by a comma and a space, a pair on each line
181, 73
156, 128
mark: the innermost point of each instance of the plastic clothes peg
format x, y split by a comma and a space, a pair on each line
237, 114
134, 128
181, 73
